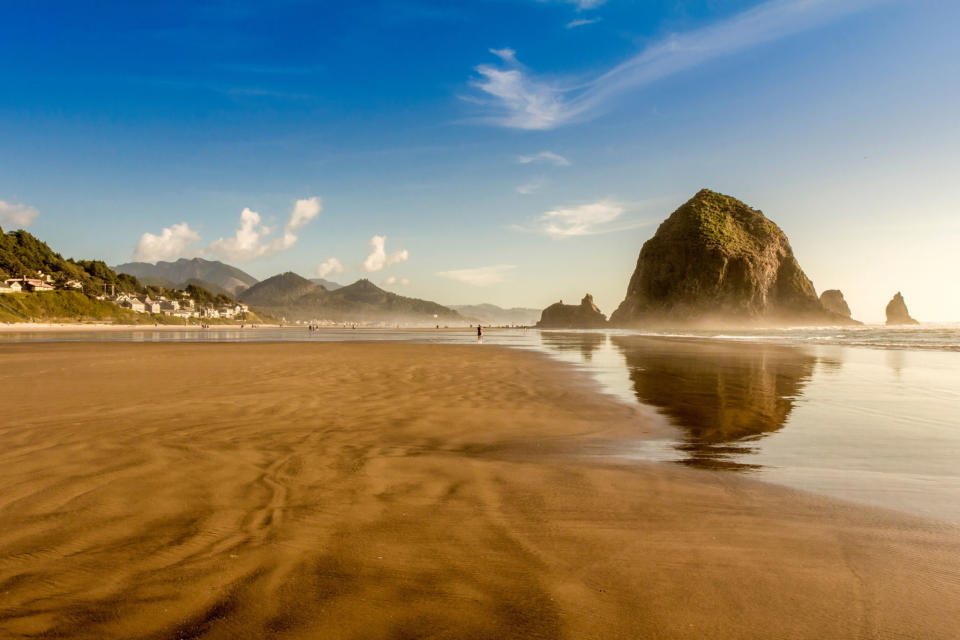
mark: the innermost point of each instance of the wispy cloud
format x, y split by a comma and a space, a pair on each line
173, 242
587, 219
329, 267
480, 276
583, 5
506, 54
523, 100
16, 215
379, 258
594, 218
529, 187
545, 156
394, 281
573, 24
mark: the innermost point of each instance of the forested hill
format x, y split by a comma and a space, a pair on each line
210, 274
22, 254
293, 297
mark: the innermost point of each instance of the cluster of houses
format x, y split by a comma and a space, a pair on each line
184, 308
43, 282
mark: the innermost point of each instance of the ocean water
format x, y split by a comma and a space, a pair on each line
869, 414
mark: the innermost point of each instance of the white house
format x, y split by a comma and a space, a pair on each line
73, 284
11, 286
31, 284
133, 304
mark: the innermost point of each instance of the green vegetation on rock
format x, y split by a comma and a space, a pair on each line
717, 261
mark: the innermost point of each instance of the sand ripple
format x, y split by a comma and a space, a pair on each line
401, 491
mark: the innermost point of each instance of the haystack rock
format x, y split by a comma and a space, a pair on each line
897, 311
715, 262
832, 300
586, 315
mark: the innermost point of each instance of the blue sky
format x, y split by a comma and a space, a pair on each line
512, 151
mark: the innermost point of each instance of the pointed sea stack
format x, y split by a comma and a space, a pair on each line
586, 315
897, 311
718, 262
832, 300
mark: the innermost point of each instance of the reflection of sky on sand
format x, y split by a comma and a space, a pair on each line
880, 426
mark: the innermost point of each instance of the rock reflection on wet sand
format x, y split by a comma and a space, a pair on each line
721, 396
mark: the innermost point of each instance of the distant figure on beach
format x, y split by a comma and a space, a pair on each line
479, 334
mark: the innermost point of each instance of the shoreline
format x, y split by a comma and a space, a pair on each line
44, 327
249, 490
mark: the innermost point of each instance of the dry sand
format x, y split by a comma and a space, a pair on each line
408, 491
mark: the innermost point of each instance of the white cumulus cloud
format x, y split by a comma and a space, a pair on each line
251, 239
479, 276
328, 267
379, 258
248, 242
521, 100
16, 215
303, 212
172, 242
545, 156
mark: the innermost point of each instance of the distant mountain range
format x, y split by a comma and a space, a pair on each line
296, 298
326, 284
293, 297
492, 314
212, 275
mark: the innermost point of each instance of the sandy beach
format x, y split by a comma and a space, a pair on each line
358, 490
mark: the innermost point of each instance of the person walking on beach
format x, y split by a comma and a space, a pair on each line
479, 334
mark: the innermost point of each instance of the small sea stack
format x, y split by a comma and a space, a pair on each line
586, 315
897, 311
833, 301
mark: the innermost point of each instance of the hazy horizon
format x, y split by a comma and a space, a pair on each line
514, 152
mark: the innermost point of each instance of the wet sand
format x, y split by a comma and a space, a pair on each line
402, 491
